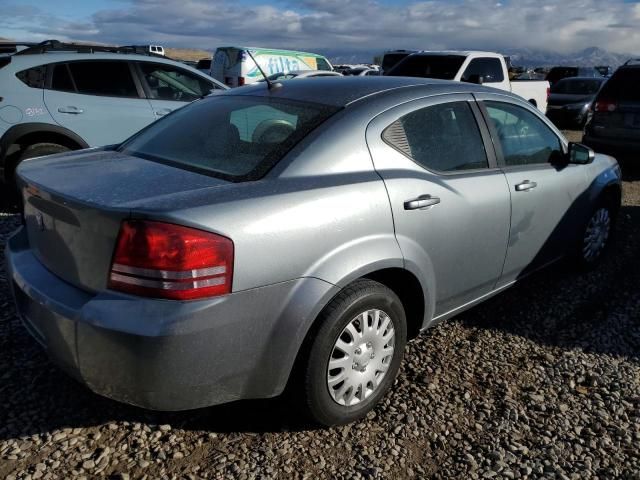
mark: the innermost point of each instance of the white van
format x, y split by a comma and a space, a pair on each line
234, 67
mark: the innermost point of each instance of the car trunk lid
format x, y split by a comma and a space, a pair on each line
73, 221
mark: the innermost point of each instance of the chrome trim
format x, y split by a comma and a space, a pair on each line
169, 274
143, 282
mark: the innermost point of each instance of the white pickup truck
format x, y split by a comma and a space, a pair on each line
486, 68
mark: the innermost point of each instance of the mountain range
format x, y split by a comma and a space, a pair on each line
588, 57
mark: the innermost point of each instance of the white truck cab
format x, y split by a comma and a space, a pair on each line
487, 68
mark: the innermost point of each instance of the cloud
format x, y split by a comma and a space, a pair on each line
347, 25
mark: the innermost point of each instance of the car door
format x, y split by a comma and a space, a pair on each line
544, 189
97, 99
169, 87
449, 200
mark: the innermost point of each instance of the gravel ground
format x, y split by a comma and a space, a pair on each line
542, 381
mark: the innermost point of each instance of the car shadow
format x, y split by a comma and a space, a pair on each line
596, 311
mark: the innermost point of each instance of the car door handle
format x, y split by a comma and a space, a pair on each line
71, 109
525, 186
163, 111
422, 201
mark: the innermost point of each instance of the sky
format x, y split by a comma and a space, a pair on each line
332, 25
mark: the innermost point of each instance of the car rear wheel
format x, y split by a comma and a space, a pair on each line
36, 150
356, 353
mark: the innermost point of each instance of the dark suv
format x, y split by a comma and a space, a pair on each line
614, 126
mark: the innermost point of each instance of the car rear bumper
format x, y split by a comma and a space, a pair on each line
613, 146
166, 355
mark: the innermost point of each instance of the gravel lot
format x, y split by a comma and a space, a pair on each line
542, 381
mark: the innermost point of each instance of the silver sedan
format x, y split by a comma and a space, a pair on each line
315, 225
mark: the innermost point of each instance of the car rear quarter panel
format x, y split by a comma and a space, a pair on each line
323, 212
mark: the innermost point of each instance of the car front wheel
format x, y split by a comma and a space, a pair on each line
355, 355
596, 235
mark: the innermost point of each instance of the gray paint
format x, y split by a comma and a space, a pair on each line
330, 212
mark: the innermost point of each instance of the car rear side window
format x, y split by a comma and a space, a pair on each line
108, 78
234, 137
490, 69
61, 78
524, 138
33, 77
443, 137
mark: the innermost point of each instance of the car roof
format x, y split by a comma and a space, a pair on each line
462, 53
342, 91
36, 59
274, 50
22, 62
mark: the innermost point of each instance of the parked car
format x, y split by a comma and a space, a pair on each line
234, 67
318, 225
604, 70
614, 125
474, 67
157, 49
558, 73
570, 100
302, 74
361, 72
58, 97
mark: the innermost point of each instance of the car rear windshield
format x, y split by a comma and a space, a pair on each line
444, 67
623, 86
577, 87
238, 138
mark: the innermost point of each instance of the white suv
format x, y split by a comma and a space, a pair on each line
57, 97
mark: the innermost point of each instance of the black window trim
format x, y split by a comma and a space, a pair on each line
496, 142
43, 81
492, 163
49, 78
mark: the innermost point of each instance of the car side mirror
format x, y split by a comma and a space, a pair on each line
475, 78
580, 154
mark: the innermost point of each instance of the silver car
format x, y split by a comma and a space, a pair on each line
315, 225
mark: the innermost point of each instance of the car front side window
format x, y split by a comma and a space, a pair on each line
169, 83
524, 138
443, 138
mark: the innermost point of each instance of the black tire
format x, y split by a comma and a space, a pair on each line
11, 194
588, 258
360, 297
32, 151
41, 149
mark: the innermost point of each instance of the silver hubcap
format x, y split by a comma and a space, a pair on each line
596, 235
361, 357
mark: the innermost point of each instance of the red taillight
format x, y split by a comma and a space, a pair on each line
240, 81
548, 93
605, 105
163, 260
